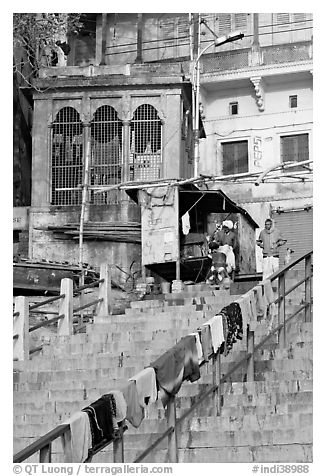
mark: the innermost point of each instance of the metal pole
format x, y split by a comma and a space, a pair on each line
196, 131
103, 48
172, 438
281, 310
177, 266
250, 361
216, 369
118, 447
308, 288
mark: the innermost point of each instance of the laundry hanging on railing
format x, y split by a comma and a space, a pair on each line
198, 346
261, 303
177, 364
245, 306
235, 327
135, 412
120, 405
101, 413
146, 386
76, 447
217, 333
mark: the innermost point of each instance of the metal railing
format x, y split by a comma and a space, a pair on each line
43, 445
65, 316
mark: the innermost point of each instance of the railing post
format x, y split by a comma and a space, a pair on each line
281, 310
65, 325
216, 370
105, 307
118, 447
251, 359
45, 454
21, 328
308, 288
172, 438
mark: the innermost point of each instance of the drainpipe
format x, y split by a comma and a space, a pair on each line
103, 51
139, 57
84, 212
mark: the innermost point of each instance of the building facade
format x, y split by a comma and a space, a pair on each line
124, 101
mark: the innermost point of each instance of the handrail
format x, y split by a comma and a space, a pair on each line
275, 275
47, 301
239, 364
49, 437
87, 286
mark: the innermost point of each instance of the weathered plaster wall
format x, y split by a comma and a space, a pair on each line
262, 130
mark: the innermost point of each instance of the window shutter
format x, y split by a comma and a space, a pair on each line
295, 148
282, 18
224, 23
168, 32
235, 157
299, 17
240, 21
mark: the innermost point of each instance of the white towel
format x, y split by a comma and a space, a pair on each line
244, 303
260, 301
121, 405
252, 300
216, 327
198, 346
185, 223
146, 385
76, 448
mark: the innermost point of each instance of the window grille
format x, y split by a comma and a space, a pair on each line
106, 150
145, 144
295, 148
235, 157
67, 158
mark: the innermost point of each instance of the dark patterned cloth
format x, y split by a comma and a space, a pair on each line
100, 415
233, 318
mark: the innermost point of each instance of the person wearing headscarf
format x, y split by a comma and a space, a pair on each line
227, 242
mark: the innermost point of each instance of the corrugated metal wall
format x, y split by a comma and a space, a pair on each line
296, 226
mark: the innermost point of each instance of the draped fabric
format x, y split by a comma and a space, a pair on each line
76, 448
146, 386
135, 412
233, 314
101, 415
177, 364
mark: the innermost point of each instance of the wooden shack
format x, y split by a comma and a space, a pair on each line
175, 222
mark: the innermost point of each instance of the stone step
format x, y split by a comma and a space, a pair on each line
298, 453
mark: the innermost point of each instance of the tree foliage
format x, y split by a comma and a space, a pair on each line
35, 37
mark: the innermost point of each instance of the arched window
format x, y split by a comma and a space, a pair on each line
146, 144
106, 150
66, 158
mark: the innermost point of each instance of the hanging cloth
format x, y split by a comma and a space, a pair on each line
121, 405
198, 346
101, 413
235, 325
216, 327
185, 223
177, 364
135, 413
76, 448
146, 386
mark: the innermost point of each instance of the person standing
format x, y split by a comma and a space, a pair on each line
270, 240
